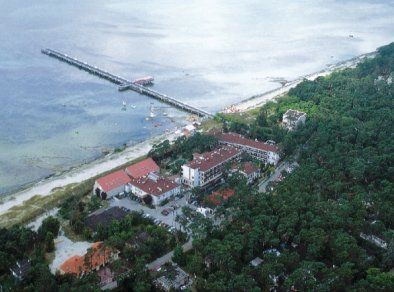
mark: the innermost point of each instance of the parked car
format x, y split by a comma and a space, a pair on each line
165, 212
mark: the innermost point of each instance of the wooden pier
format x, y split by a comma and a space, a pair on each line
125, 84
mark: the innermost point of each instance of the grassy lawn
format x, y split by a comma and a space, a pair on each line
247, 117
210, 124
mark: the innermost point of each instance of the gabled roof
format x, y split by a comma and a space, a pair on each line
78, 265
234, 138
142, 168
207, 160
105, 217
245, 167
154, 185
113, 180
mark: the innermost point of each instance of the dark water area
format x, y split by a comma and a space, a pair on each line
54, 116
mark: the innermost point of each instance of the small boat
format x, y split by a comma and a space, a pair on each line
124, 103
132, 106
152, 114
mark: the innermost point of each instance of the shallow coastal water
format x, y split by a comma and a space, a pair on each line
208, 53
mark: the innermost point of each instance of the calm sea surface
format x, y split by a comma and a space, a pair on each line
207, 53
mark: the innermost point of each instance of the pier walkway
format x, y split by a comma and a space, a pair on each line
125, 84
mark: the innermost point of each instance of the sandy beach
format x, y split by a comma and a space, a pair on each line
84, 172
260, 99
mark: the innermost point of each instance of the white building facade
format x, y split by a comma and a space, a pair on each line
265, 152
111, 184
208, 167
157, 187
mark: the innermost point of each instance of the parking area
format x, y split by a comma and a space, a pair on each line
161, 214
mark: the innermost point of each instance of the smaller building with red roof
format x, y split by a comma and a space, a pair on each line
111, 184
247, 169
142, 168
154, 186
96, 257
219, 196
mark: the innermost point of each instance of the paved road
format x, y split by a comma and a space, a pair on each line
281, 166
263, 185
167, 257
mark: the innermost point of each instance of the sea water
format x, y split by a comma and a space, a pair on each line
207, 53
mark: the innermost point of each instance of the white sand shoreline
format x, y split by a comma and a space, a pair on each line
89, 170
79, 174
260, 99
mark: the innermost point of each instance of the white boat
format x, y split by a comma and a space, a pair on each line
152, 114
133, 106
124, 103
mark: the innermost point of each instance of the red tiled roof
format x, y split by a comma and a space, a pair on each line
219, 196
210, 159
155, 187
113, 180
142, 168
77, 264
241, 140
249, 167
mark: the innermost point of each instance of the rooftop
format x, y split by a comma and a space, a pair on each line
154, 185
210, 159
256, 262
174, 277
104, 217
235, 138
142, 168
113, 180
293, 114
78, 265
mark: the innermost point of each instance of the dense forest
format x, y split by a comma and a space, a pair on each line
307, 231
